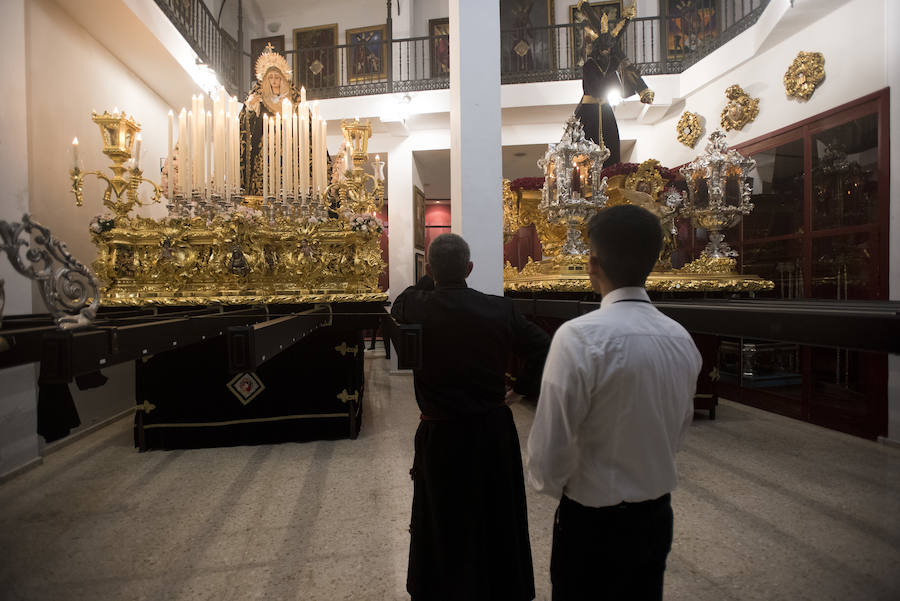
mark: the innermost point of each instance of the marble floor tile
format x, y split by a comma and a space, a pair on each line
768, 508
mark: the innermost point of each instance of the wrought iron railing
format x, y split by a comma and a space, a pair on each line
215, 47
656, 45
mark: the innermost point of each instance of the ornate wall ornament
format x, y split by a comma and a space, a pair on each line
689, 129
804, 75
740, 110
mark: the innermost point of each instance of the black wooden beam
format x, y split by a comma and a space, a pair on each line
69, 353
872, 326
407, 341
249, 346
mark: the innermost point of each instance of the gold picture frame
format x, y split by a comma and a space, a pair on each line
366, 52
613, 10
418, 219
440, 48
315, 56
521, 47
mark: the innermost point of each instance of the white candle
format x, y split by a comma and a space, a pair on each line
236, 136
303, 94
314, 153
138, 140
171, 172
189, 155
75, 152
272, 166
182, 135
295, 129
285, 145
236, 151
208, 133
304, 150
265, 156
323, 158
220, 152
278, 167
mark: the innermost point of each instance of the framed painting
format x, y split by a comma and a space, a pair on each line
689, 25
258, 45
440, 47
527, 44
613, 10
366, 53
419, 265
418, 219
315, 58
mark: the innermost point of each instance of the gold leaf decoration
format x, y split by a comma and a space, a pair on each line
689, 129
804, 75
740, 110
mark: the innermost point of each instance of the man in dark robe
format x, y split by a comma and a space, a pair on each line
605, 69
469, 527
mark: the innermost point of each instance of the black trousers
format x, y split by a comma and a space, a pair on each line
615, 553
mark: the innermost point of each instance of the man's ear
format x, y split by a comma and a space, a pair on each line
593, 267
469, 268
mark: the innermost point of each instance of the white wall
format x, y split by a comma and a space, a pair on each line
18, 401
348, 14
91, 78
424, 11
854, 66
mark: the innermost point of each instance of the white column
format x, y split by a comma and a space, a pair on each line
892, 67
18, 401
475, 123
401, 263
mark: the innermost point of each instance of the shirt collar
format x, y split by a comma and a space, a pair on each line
626, 293
451, 284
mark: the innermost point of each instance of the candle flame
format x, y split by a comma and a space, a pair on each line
171, 114
75, 142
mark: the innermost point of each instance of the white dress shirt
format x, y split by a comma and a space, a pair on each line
616, 400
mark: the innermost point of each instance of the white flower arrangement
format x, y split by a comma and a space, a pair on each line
100, 224
246, 213
366, 223
313, 220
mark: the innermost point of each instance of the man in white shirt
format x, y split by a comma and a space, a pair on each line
616, 400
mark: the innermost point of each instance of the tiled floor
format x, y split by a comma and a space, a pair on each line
768, 508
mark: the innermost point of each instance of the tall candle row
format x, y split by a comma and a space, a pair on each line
208, 148
292, 162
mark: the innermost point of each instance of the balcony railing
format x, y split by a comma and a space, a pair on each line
656, 45
215, 47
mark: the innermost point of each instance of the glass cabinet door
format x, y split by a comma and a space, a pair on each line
845, 174
777, 192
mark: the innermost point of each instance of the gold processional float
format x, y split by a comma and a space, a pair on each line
313, 237
718, 195
309, 238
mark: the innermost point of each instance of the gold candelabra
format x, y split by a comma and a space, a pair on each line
119, 133
359, 192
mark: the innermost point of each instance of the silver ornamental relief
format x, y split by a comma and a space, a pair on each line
69, 289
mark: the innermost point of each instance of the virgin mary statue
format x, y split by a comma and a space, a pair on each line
273, 84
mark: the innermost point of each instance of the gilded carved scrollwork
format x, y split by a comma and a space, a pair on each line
239, 260
689, 128
740, 110
804, 75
